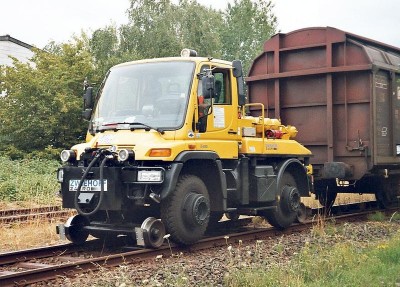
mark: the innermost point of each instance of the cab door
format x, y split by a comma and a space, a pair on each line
220, 114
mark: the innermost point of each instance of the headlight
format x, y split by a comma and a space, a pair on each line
67, 155
149, 176
124, 155
60, 175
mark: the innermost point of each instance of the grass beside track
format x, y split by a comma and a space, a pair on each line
347, 263
32, 180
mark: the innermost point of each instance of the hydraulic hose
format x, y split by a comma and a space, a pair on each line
78, 190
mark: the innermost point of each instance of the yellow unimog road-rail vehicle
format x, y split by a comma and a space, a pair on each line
170, 149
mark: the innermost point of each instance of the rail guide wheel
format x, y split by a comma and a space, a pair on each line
287, 204
151, 233
74, 229
302, 213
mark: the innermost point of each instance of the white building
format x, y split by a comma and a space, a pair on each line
10, 46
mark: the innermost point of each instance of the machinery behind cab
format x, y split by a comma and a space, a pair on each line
170, 149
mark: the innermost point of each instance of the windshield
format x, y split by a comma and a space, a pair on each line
155, 94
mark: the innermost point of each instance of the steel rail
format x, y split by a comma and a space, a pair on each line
28, 214
76, 265
24, 211
33, 216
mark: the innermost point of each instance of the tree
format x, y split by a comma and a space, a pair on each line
248, 24
152, 29
162, 29
199, 28
43, 104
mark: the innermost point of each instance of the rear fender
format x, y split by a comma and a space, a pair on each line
298, 171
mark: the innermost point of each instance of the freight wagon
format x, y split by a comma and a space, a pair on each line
342, 92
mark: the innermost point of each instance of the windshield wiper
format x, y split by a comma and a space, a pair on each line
114, 126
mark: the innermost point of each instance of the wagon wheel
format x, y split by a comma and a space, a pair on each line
287, 203
386, 192
326, 193
186, 211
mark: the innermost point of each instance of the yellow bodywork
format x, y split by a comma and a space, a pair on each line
225, 134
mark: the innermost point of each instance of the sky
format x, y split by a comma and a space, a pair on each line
41, 21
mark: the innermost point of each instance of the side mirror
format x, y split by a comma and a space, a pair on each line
88, 103
237, 68
86, 114
238, 74
208, 86
88, 98
241, 92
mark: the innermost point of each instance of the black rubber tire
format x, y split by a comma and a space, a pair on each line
184, 228
282, 218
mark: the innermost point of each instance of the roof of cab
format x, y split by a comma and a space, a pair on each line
175, 59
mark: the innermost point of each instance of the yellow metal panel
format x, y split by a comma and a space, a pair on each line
273, 147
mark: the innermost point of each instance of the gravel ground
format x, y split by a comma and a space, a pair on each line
210, 267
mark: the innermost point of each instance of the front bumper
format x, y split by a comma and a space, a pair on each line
119, 184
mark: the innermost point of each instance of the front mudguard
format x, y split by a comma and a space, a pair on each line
170, 179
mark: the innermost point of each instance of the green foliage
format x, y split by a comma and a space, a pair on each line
106, 51
162, 29
28, 180
152, 29
248, 24
377, 216
343, 264
200, 29
43, 104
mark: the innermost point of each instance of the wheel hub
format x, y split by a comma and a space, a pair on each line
292, 198
153, 232
196, 209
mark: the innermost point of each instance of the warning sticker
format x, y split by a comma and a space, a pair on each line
219, 117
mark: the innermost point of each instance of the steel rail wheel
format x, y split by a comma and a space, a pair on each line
387, 190
326, 193
287, 203
301, 213
75, 231
186, 211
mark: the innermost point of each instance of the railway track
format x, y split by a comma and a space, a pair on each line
25, 267
26, 214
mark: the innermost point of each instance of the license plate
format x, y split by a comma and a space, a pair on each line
88, 185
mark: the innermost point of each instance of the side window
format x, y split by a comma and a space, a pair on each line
222, 87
